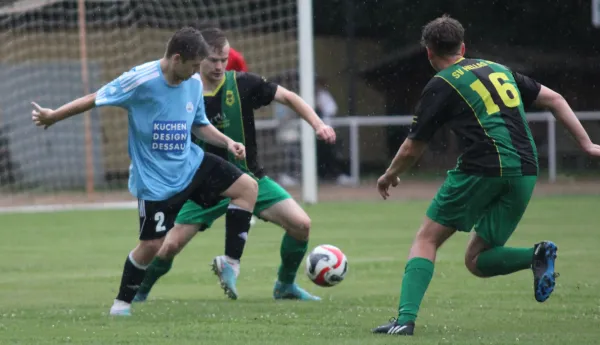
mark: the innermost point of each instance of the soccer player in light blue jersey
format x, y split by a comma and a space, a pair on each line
165, 104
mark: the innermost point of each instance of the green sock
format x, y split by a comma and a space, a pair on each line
292, 251
504, 260
417, 275
158, 268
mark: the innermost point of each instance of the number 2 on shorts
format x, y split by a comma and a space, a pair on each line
159, 218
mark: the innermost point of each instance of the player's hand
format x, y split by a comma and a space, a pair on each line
238, 150
42, 116
384, 183
325, 133
592, 149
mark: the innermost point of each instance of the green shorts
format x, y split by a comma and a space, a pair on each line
493, 205
269, 193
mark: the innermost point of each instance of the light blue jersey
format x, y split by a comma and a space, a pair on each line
163, 159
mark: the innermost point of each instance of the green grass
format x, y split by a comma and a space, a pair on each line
59, 274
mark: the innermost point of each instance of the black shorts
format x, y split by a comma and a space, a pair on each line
214, 176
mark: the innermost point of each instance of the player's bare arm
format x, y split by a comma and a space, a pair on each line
213, 136
47, 117
306, 112
430, 115
410, 151
559, 107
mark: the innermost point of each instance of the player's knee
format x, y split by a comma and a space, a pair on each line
252, 188
177, 238
426, 236
301, 228
146, 250
170, 248
433, 234
243, 192
249, 189
151, 245
471, 264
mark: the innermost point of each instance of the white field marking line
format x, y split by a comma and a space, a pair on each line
123, 205
38, 277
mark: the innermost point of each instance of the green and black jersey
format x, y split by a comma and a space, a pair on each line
230, 108
483, 102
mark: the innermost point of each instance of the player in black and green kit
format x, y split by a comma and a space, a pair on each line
230, 99
484, 104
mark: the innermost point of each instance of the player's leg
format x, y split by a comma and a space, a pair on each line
155, 221
277, 206
224, 180
237, 225
269, 194
191, 219
485, 260
455, 207
215, 180
486, 254
418, 273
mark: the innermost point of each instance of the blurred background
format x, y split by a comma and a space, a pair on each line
369, 70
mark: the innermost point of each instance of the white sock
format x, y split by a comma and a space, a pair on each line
120, 305
235, 264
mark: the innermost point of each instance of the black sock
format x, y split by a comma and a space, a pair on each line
237, 224
133, 275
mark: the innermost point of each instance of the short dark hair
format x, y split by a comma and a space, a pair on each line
443, 36
215, 38
188, 43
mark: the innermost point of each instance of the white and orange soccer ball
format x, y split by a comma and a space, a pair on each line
326, 265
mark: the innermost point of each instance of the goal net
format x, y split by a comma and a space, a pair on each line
54, 51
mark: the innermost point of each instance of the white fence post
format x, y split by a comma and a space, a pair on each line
354, 152
551, 148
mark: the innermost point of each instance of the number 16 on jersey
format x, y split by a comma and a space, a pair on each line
507, 92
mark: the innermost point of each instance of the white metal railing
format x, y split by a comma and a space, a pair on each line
354, 122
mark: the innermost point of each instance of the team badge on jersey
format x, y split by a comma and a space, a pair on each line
189, 107
229, 99
220, 121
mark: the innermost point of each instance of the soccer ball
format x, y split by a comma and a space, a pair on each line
326, 265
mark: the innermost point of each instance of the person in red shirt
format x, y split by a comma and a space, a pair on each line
236, 61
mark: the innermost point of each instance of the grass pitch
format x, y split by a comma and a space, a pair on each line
60, 272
